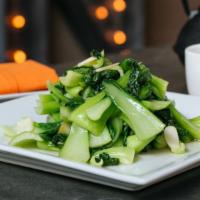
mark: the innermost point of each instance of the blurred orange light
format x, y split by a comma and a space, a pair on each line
101, 12
119, 5
119, 37
18, 21
19, 56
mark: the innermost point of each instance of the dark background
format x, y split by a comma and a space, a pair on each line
60, 31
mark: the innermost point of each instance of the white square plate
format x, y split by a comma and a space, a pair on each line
148, 168
4, 97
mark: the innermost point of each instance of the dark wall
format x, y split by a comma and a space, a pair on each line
164, 20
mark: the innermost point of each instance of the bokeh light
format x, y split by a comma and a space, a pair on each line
119, 37
18, 21
19, 56
101, 13
119, 5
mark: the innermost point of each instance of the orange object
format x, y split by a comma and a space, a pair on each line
19, 56
18, 21
5, 88
6, 78
101, 13
119, 5
25, 77
119, 37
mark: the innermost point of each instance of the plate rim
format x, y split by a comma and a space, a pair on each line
20, 94
161, 174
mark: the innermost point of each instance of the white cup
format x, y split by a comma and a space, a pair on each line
192, 65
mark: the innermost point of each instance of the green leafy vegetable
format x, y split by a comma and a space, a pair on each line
141, 83
96, 60
124, 155
159, 142
138, 145
135, 113
106, 159
103, 113
100, 140
59, 139
76, 146
185, 123
159, 87
96, 53
167, 117
80, 116
47, 130
154, 105
196, 120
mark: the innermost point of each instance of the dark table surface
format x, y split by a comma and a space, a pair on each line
24, 183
